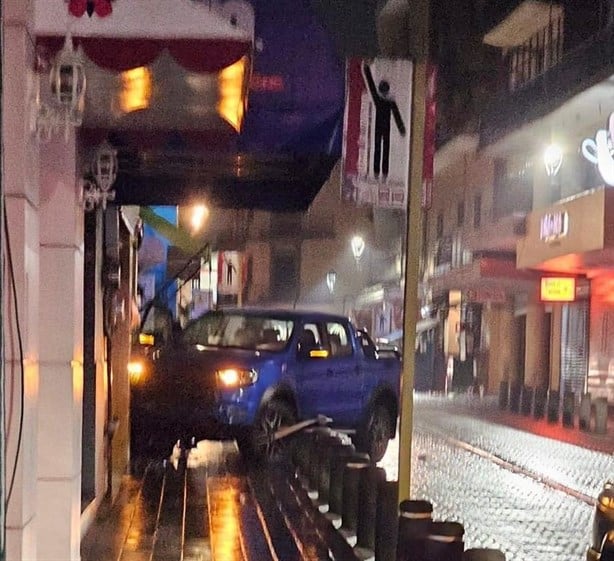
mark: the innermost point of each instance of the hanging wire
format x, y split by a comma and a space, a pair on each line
2, 354
11, 270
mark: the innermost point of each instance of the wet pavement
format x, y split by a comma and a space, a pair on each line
512, 487
523, 486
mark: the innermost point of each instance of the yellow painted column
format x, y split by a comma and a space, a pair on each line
413, 22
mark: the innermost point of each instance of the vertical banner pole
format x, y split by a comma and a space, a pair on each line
418, 51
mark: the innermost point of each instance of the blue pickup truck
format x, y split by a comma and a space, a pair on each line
246, 372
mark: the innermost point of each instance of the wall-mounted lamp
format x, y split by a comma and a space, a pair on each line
331, 279
104, 172
358, 247
67, 84
553, 159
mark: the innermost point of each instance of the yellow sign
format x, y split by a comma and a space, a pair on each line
558, 289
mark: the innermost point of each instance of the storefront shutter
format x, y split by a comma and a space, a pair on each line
574, 347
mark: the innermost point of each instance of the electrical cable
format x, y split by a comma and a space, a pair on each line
21, 357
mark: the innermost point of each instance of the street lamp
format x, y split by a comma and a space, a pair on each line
198, 217
553, 159
331, 279
358, 247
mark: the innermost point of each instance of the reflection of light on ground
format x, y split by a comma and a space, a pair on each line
224, 511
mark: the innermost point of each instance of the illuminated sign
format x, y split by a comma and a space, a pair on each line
558, 289
597, 151
553, 226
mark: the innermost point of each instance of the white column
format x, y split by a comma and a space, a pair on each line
61, 355
20, 328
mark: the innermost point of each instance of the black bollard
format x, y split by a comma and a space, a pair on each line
607, 548
325, 467
368, 488
387, 521
483, 555
526, 400
504, 394
349, 511
553, 406
539, 402
444, 542
415, 520
515, 391
337, 466
603, 518
319, 454
569, 408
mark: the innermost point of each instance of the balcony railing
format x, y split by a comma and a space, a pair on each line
581, 67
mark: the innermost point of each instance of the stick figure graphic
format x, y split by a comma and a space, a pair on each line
385, 106
230, 269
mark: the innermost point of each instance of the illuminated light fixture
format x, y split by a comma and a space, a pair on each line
198, 217
104, 172
136, 89
331, 279
67, 85
597, 151
558, 289
231, 91
358, 247
553, 159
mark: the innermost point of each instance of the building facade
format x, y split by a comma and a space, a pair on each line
522, 201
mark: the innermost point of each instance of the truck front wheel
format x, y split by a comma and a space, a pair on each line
259, 444
373, 437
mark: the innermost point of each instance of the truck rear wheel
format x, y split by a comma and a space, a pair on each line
374, 436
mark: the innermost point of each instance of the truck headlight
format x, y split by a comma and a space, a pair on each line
236, 377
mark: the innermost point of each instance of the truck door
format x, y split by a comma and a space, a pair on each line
317, 394
347, 373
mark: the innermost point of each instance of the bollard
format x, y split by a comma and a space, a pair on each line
504, 394
483, 555
337, 466
387, 521
569, 407
320, 451
603, 518
539, 402
553, 406
515, 391
325, 467
526, 400
368, 487
349, 510
444, 542
415, 520
607, 548
585, 412
601, 415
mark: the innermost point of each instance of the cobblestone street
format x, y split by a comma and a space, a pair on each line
528, 495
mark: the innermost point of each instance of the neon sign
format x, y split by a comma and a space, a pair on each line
598, 150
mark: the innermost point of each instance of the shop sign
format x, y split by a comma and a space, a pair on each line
597, 151
553, 226
558, 289
486, 295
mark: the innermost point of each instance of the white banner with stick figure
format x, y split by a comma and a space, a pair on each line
376, 132
229, 272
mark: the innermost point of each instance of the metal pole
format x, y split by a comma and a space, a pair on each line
417, 49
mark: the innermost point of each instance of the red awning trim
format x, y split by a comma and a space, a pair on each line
118, 55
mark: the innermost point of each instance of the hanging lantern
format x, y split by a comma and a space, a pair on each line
104, 166
67, 81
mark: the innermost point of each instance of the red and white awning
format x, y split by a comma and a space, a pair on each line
200, 36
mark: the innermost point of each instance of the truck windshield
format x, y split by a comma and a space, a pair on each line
245, 331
